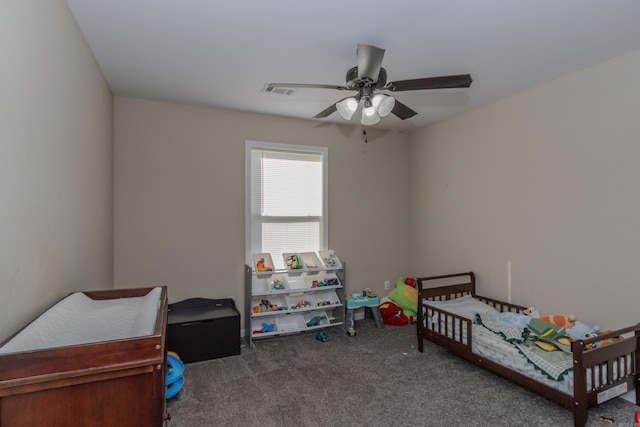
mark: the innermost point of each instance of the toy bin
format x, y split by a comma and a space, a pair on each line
293, 262
329, 280
269, 284
296, 283
316, 319
311, 261
326, 299
264, 327
300, 302
290, 323
263, 263
330, 260
269, 304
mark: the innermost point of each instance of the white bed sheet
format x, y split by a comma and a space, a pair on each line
78, 319
493, 347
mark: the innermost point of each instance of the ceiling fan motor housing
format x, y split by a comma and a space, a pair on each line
355, 83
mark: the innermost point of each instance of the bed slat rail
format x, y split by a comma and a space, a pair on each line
501, 305
612, 369
447, 293
448, 326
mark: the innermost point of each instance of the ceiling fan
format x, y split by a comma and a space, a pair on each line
367, 78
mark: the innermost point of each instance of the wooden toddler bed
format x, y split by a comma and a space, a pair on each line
599, 373
94, 359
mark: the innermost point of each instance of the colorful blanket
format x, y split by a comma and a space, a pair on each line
542, 343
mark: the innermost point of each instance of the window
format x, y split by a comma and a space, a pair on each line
286, 199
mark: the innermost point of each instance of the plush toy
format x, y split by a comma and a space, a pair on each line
508, 318
579, 329
559, 320
261, 266
562, 321
392, 314
410, 282
406, 297
602, 342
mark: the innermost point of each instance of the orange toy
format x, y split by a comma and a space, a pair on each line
562, 321
604, 341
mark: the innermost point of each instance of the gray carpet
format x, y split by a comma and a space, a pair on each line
377, 378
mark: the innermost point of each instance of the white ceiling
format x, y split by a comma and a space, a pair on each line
221, 54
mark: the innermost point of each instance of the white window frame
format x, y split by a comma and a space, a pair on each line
324, 223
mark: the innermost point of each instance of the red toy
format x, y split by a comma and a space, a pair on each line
393, 315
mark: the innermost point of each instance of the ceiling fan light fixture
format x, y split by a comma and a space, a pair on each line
347, 107
369, 115
383, 104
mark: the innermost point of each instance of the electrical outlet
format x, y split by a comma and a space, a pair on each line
387, 285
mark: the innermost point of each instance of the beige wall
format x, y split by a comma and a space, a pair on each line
545, 180
548, 180
179, 197
55, 162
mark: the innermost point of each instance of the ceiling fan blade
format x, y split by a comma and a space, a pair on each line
332, 108
307, 86
326, 112
402, 111
443, 82
369, 61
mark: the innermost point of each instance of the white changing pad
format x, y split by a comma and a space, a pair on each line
78, 319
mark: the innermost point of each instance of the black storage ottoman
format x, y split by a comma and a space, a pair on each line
202, 329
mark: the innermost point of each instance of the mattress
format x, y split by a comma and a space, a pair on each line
493, 347
78, 319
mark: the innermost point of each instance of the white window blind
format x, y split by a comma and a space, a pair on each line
286, 199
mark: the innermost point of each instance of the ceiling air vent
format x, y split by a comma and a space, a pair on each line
278, 90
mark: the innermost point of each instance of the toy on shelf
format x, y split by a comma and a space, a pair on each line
266, 327
310, 260
293, 261
266, 306
328, 281
315, 321
330, 259
263, 263
301, 304
277, 285
261, 267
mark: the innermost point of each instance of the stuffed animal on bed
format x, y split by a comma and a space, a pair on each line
579, 329
509, 318
562, 321
557, 319
603, 342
